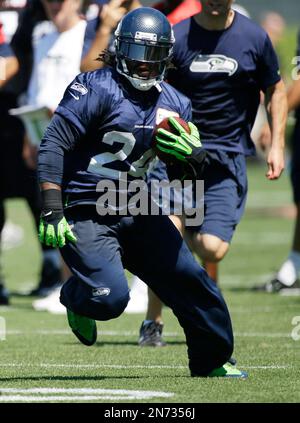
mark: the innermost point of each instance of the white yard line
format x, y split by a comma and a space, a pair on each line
94, 391
25, 398
78, 394
262, 335
125, 366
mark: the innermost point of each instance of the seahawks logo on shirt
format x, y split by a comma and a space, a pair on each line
214, 63
79, 87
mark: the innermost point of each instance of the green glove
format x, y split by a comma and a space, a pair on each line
182, 146
186, 148
54, 230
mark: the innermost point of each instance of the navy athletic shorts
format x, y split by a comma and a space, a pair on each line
225, 193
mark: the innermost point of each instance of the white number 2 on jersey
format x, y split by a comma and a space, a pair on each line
137, 168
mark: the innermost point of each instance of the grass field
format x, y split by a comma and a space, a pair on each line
41, 352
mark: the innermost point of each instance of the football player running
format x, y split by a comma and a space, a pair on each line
101, 131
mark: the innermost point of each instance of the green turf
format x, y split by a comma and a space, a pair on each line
41, 352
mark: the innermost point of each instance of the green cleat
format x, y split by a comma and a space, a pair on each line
228, 370
84, 328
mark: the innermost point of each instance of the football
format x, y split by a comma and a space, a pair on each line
165, 157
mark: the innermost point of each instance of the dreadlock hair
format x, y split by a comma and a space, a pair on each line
109, 59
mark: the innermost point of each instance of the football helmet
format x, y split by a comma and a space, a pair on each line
144, 41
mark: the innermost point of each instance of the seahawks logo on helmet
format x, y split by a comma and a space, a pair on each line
214, 63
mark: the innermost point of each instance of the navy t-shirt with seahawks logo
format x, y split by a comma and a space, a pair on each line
223, 72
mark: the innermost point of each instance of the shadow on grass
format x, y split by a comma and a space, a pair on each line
101, 343
245, 289
169, 343
82, 378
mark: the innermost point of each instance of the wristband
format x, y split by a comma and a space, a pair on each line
51, 200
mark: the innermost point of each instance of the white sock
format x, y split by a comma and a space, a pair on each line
137, 285
288, 272
138, 297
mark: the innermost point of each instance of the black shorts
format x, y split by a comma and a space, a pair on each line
16, 179
295, 164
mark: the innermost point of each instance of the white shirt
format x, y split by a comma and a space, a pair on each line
56, 63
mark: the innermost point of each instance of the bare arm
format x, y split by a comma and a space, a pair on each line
11, 67
110, 15
277, 109
293, 98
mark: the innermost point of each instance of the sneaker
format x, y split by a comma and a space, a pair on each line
84, 328
12, 236
138, 302
275, 286
50, 303
151, 334
4, 295
227, 370
43, 292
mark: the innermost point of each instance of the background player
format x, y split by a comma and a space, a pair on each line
287, 278
8, 67
218, 55
99, 35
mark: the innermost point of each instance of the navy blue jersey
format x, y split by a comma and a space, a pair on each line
222, 72
104, 127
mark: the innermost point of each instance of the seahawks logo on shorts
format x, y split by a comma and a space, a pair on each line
101, 292
214, 63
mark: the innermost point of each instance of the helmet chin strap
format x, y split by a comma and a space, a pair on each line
141, 84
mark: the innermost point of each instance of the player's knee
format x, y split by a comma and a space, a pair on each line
213, 256
208, 253
100, 303
210, 248
110, 306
